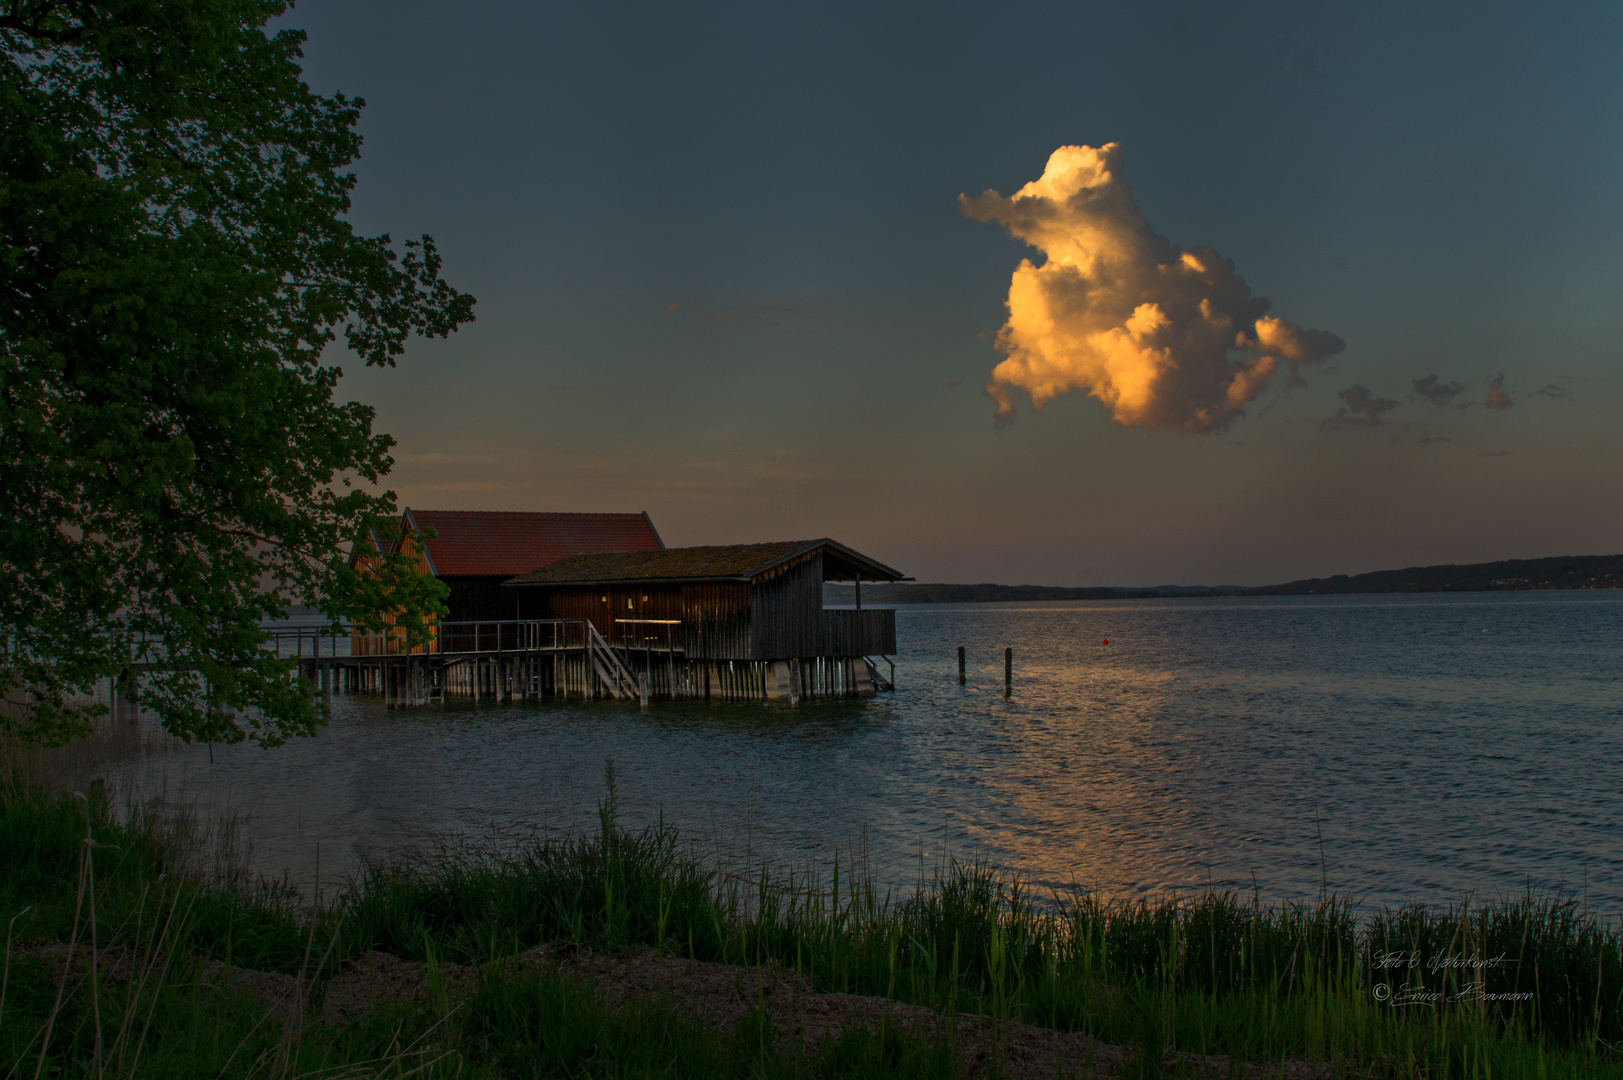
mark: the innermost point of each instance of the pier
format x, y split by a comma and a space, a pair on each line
529, 659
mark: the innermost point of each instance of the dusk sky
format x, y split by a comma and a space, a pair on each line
725, 276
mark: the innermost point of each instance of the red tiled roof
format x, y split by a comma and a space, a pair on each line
505, 543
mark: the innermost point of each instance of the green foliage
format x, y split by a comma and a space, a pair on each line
176, 260
1537, 963
388, 590
1213, 976
614, 891
171, 1023
140, 867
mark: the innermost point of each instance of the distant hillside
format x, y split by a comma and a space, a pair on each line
987, 593
1563, 572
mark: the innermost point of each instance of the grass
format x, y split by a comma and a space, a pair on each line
1530, 987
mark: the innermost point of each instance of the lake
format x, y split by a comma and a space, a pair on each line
1388, 748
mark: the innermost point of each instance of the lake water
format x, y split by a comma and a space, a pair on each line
1390, 748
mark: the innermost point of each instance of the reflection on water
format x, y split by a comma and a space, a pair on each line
1435, 744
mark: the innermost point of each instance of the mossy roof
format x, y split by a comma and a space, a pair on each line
721, 562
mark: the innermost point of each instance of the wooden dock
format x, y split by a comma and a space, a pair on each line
527, 659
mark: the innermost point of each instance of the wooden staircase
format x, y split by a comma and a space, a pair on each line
879, 681
612, 673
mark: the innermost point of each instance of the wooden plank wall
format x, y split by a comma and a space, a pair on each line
716, 621
869, 632
715, 617
789, 621
786, 610
779, 617
479, 598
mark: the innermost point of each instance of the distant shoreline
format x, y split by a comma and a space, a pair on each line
1509, 575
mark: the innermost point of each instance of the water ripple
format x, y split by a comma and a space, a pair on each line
1427, 745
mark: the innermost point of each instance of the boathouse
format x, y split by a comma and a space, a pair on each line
735, 621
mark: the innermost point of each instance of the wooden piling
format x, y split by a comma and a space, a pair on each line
960, 665
1008, 672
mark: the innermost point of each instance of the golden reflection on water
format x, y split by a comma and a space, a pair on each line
1085, 819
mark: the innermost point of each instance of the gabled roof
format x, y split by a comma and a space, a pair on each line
731, 562
375, 542
496, 543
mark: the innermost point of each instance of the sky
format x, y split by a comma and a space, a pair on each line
782, 272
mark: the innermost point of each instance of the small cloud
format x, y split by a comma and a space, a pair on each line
1497, 399
1495, 453
1438, 393
1550, 390
769, 315
1362, 408
956, 382
1428, 437
673, 307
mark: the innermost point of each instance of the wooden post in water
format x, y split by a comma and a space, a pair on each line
960, 665
1008, 672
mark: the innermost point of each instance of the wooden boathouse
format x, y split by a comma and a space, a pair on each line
733, 622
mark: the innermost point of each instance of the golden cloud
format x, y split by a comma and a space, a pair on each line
1163, 337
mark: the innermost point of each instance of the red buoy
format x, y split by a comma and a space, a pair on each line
1107, 641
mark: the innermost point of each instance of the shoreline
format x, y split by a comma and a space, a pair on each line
1256, 985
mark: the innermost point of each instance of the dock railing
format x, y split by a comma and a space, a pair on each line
510, 635
475, 636
310, 642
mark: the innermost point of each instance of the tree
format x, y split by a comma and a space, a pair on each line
175, 262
